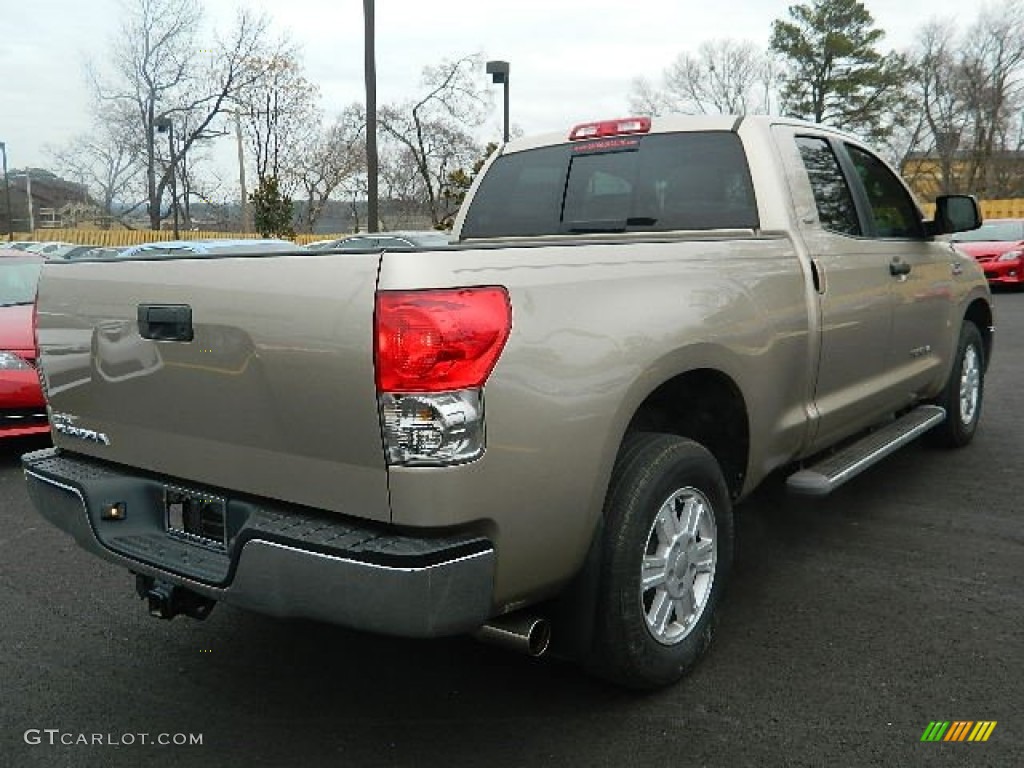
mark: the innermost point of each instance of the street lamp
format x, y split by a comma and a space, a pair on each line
7, 193
498, 70
164, 124
370, 82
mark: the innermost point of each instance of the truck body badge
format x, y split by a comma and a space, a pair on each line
65, 424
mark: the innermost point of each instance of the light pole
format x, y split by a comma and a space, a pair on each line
498, 70
241, 172
162, 124
7, 194
370, 81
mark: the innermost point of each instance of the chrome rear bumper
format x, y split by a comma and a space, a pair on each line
281, 561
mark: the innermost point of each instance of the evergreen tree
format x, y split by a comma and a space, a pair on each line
271, 210
834, 72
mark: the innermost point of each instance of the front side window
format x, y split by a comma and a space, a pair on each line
893, 212
836, 209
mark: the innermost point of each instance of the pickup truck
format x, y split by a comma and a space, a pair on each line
537, 433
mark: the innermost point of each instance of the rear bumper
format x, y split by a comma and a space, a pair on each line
280, 560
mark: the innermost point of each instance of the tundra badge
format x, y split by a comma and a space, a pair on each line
64, 423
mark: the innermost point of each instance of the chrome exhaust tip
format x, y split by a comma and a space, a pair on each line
517, 632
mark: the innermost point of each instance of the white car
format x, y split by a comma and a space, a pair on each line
51, 249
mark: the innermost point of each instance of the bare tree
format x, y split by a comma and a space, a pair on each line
943, 116
104, 161
161, 73
282, 116
427, 139
723, 77
333, 162
971, 90
646, 99
993, 65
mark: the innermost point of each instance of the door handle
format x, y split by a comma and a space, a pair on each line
898, 268
166, 322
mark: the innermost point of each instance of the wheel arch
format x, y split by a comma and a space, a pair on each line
722, 426
979, 312
721, 423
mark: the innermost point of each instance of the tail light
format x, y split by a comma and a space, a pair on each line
434, 350
620, 127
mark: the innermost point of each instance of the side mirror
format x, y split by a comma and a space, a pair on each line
955, 213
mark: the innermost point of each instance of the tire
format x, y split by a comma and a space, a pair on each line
668, 524
963, 394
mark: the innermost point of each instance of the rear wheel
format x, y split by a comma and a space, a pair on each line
667, 551
963, 394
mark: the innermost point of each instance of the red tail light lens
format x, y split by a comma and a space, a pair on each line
437, 341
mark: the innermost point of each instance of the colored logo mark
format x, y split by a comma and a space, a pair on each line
958, 730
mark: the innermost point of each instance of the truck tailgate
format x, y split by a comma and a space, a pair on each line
273, 394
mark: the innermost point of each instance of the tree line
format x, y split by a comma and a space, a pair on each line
168, 87
949, 110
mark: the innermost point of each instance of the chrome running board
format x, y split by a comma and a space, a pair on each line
830, 473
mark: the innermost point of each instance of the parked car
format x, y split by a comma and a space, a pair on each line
213, 247
51, 250
22, 408
320, 245
92, 252
19, 245
378, 241
998, 245
69, 251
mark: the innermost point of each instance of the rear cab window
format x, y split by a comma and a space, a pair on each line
651, 183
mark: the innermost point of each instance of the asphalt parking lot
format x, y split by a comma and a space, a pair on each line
849, 625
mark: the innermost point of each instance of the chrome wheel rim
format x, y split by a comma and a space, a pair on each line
970, 385
678, 567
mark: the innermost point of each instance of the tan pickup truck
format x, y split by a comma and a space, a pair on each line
536, 433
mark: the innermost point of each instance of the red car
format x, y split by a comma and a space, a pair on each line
22, 408
998, 245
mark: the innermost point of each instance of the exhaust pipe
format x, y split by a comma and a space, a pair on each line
517, 632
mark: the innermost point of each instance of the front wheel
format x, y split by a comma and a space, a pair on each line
667, 551
963, 393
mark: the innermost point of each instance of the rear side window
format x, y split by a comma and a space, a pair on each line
652, 183
836, 210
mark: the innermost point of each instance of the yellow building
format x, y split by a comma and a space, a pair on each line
1000, 185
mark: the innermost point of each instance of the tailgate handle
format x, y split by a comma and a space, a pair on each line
166, 322
898, 268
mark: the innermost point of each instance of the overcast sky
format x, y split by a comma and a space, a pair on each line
570, 61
